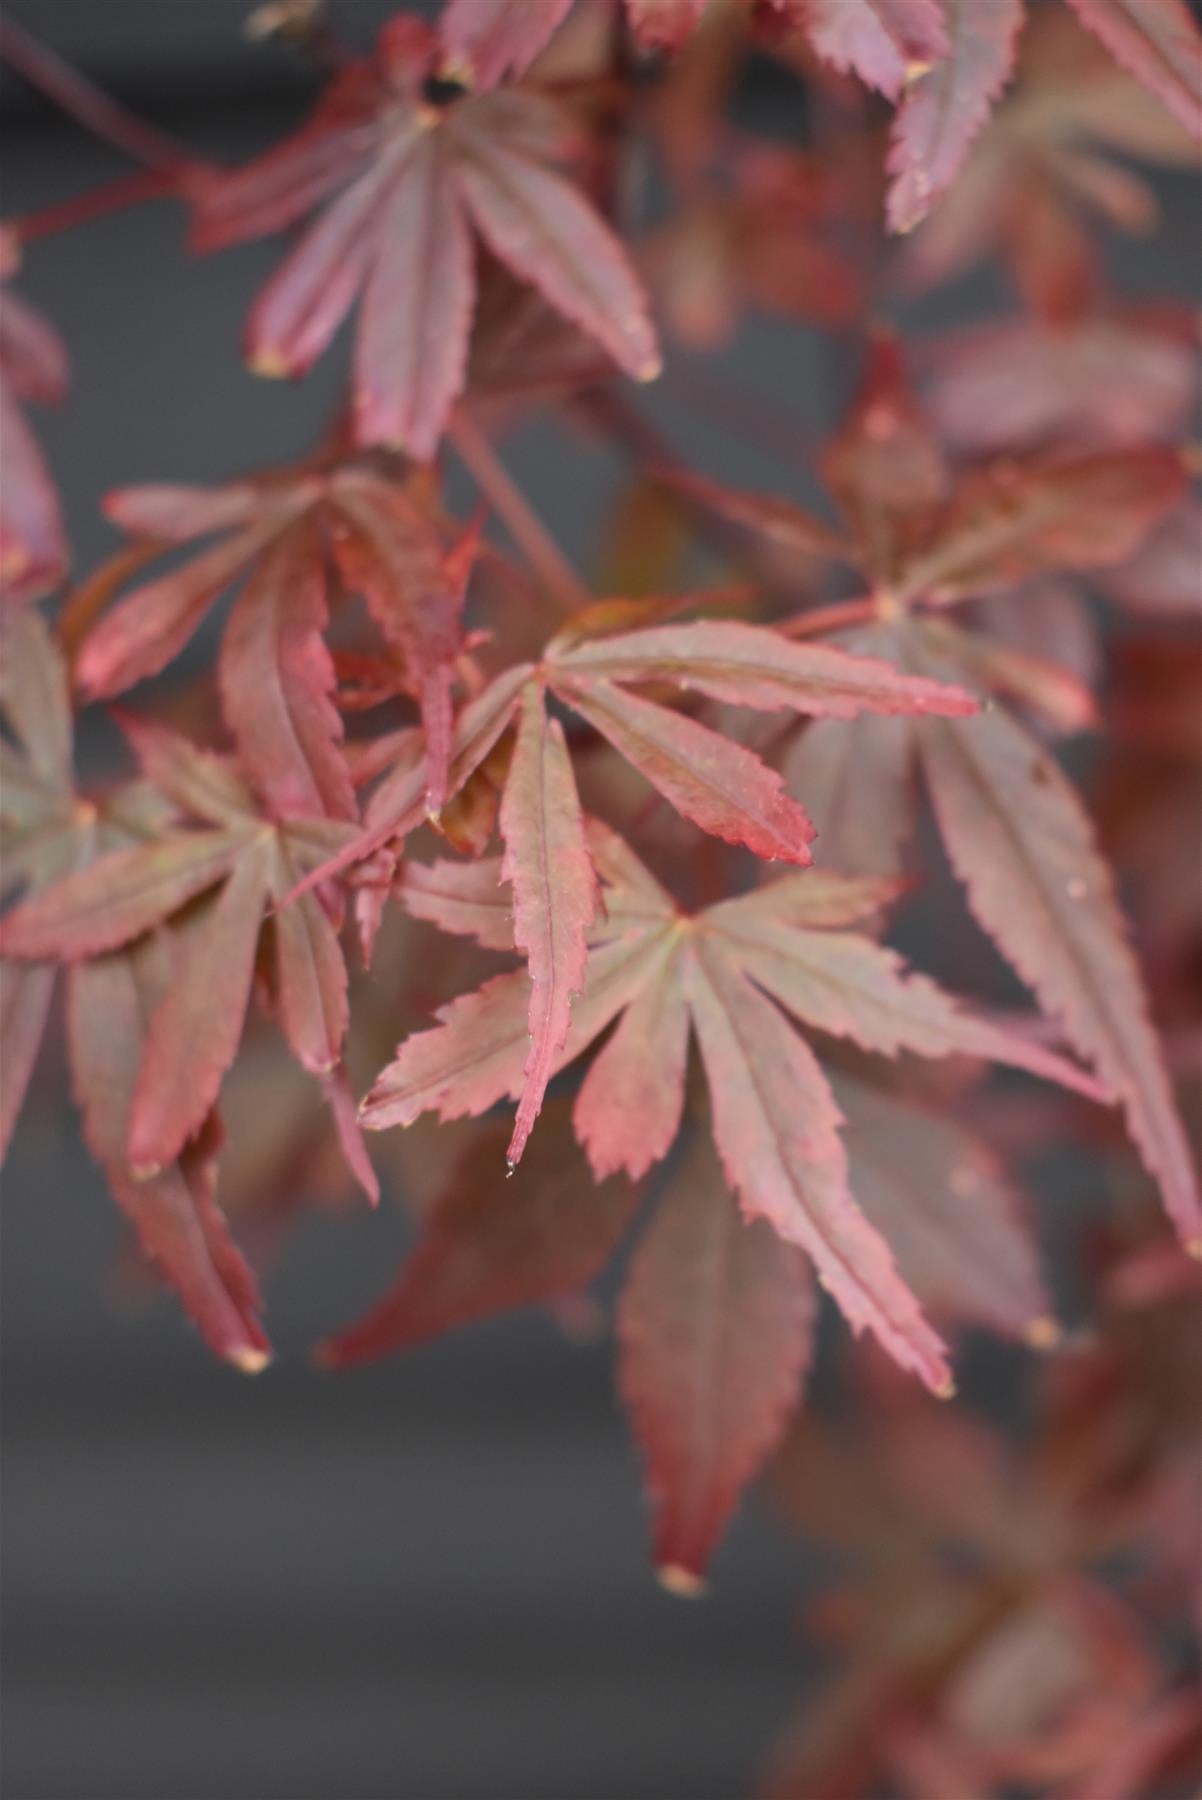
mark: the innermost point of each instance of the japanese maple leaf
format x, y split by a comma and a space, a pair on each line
730, 975
33, 366
713, 781
1015, 830
416, 153
218, 885
1106, 376
293, 541
1055, 160
49, 831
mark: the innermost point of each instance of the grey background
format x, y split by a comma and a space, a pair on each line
425, 1579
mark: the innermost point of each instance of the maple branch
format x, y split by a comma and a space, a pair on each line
97, 203
511, 506
88, 105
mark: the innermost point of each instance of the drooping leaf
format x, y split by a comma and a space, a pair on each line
490, 1244
1022, 843
1159, 42
946, 105
715, 1326
174, 1212
548, 866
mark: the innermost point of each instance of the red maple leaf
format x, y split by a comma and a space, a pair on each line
423, 153
296, 541
218, 885
1015, 830
725, 973
52, 836
713, 781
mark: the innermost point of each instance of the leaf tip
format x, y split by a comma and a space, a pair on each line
1043, 1333
682, 1582
249, 1359
1193, 1248
945, 1388
270, 363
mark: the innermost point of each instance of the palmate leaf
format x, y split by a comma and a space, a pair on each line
50, 836
216, 886
715, 1328
421, 155
709, 779
716, 783
1016, 832
776, 1123
288, 537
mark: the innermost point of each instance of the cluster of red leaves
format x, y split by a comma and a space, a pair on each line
1009, 1622
217, 880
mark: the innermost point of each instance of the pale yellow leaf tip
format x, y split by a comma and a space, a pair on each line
674, 1578
916, 70
652, 369
1194, 1249
251, 1362
946, 1389
272, 364
1043, 1333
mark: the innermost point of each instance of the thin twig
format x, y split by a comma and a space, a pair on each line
88, 105
511, 506
97, 203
